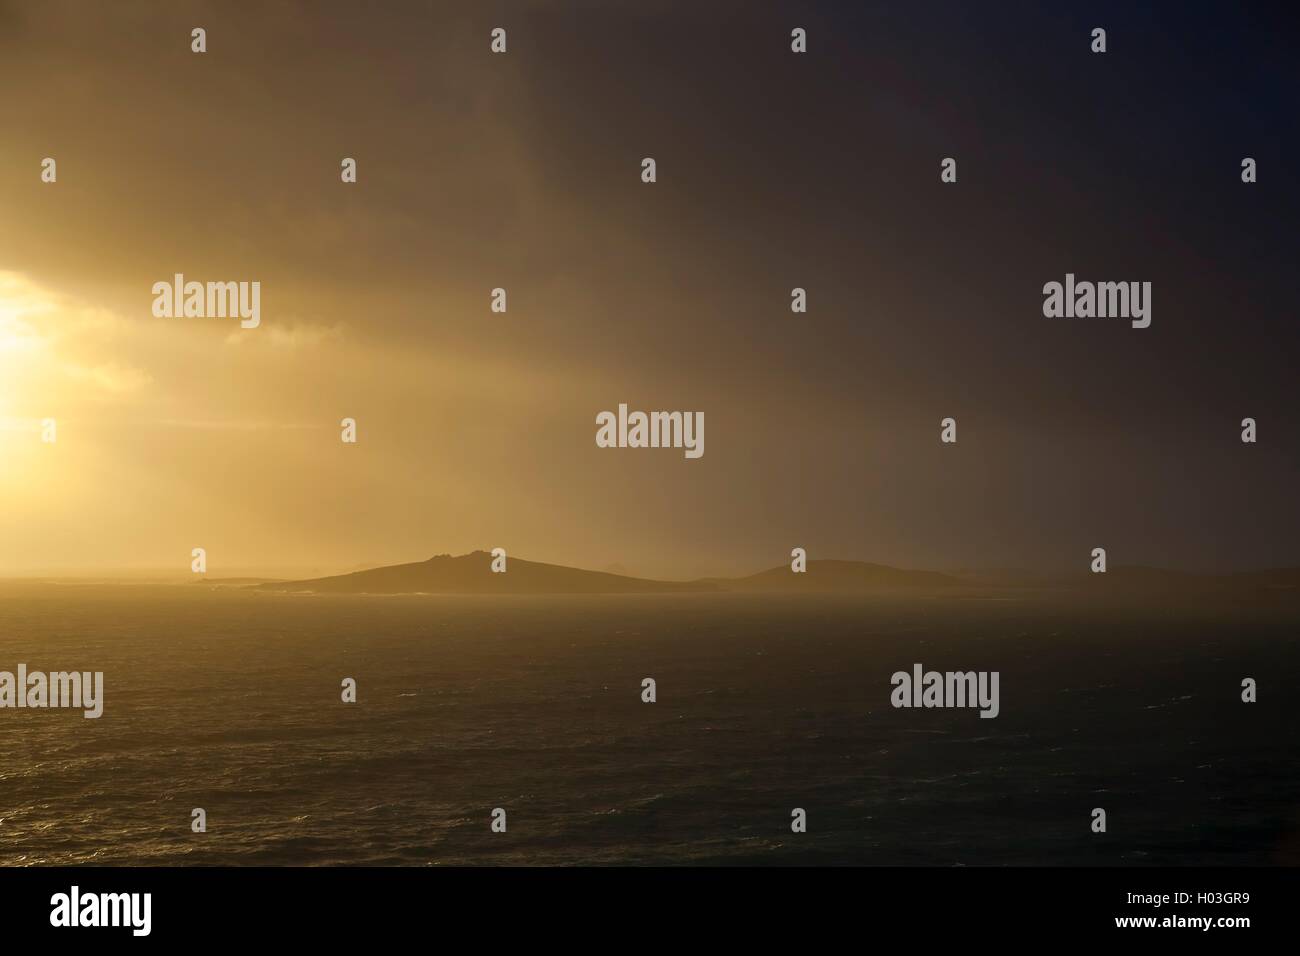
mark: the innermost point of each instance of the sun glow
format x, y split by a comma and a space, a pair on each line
42, 381
22, 347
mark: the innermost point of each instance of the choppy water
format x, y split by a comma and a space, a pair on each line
230, 701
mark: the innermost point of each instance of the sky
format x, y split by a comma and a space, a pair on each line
522, 170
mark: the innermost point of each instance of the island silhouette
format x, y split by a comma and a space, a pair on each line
471, 574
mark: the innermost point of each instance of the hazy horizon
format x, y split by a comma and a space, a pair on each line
162, 573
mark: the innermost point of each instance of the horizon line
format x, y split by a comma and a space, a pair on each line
296, 573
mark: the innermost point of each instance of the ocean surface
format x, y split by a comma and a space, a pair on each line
229, 700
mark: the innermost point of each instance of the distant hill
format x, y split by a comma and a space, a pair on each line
232, 582
844, 576
1162, 580
1276, 579
472, 574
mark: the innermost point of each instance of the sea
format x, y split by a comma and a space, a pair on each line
231, 700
